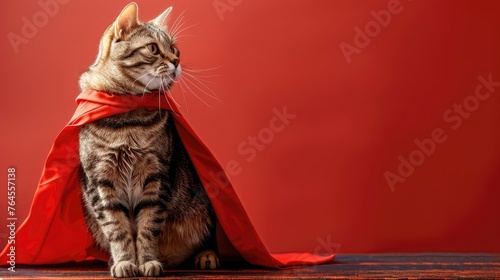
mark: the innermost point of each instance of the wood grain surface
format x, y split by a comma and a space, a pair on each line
345, 266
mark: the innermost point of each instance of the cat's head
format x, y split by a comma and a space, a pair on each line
134, 57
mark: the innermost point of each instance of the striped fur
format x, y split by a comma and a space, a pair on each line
143, 200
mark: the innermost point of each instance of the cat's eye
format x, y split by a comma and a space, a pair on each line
153, 48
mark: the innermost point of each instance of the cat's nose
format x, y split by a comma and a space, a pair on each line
172, 58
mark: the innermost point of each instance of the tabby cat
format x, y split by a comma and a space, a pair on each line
143, 200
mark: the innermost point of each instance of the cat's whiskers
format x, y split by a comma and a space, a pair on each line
177, 22
201, 77
170, 92
177, 37
188, 67
178, 27
193, 80
183, 80
185, 101
161, 91
179, 31
203, 85
165, 90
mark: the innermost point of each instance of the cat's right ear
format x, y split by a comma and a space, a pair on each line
161, 19
127, 20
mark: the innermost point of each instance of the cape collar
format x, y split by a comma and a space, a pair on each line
151, 100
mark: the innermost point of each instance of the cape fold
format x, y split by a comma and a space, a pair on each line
55, 229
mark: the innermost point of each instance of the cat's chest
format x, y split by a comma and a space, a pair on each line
127, 148
131, 140
134, 131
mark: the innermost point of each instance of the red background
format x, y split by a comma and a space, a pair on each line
319, 184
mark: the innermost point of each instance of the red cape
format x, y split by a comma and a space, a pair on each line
55, 229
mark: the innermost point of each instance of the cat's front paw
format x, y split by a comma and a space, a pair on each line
151, 269
125, 269
206, 260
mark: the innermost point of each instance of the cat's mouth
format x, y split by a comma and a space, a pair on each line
161, 78
167, 71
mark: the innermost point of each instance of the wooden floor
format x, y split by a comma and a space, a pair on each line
428, 266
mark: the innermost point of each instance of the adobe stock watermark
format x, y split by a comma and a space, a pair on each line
250, 148
223, 6
31, 26
326, 246
373, 28
454, 118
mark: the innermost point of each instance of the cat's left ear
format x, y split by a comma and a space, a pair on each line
127, 20
161, 19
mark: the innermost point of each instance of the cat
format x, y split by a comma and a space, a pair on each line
143, 200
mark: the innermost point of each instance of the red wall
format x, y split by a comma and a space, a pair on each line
355, 89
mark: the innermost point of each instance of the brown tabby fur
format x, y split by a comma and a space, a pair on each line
143, 200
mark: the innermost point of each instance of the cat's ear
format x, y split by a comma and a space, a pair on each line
127, 20
161, 19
